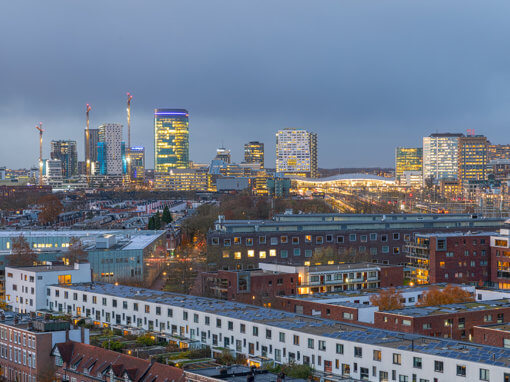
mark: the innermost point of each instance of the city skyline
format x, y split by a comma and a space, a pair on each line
375, 81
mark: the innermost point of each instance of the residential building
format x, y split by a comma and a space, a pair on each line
255, 286
111, 153
408, 159
336, 348
25, 287
500, 259
453, 257
53, 172
296, 153
441, 156
472, 159
353, 305
340, 277
137, 164
454, 321
494, 334
76, 361
66, 152
292, 239
26, 343
171, 140
254, 153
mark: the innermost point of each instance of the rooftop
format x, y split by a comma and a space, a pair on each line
46, 268
310, 325
504, 327
452, 308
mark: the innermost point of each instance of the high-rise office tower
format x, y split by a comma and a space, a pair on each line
66, 152
441, 156
254, 153
137, 166
171, 139
472, 158
93, 141
296, 152
408, 159
223, 154
111, 153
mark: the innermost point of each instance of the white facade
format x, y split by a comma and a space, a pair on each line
441, 156
296, 151
25, 287
337, 348
111, 135
53, 175
412, 178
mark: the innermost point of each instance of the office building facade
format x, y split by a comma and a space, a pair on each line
137, 164
441, 156
171, 139
254, 153
296, 153
111, 153
473, 159
408, 159
93, 141
67, 153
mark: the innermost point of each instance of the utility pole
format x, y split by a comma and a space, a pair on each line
87, 145
39, 127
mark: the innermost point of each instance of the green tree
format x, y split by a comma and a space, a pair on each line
157, 221
22, 254
167, 216
152, 224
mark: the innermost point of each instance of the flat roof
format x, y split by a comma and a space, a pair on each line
452, 308
504, 327
306, 324
45, 268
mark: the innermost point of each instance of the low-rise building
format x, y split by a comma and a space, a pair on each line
500, 259
77, 361
26, 343
339, 349
450, 321
455, 257
25, 287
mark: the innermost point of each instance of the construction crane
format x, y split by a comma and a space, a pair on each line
39, 127
87, 144
128, 151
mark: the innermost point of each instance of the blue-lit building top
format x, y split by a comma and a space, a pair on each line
171, 139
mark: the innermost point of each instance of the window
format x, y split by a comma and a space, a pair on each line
158, 310
308, 239
284, 239
339, 239
438, 366
274, 241
308, 253
363, 238
417, 362
64, 279
230, 325
310, 343
329, 238
339, 349
396, 236
147, 309
237, 240
377, 355
358, 352
484, 374
406, 322
385, 249
373, 236
262, 254
237, 255
487, 318
319, 239
281, 336
218, 323
255, 331
297, 252
426, 325
262, 240
249, 241
322, 345
268, 334
272, 252
352, 237
170, 312
384, 237
397, 359
215, 241
295, 240
251, 253
226, 242
461, 370
284, 253
295, 340
135, 307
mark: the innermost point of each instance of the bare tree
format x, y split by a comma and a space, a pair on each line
75, 252
22, 254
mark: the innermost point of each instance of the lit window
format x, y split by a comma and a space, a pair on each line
251, 253
237, 255
272, 252
262, 254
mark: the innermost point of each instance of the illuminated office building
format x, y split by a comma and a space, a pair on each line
223, 154
441, 156
66, 152
254, 153
137, 165
408, 159
498, 152
472, 158
171, 139
296, 153
111, 153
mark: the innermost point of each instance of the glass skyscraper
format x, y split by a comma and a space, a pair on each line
171, 139
441, 156
408, 159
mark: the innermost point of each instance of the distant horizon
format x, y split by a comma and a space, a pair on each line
365, 76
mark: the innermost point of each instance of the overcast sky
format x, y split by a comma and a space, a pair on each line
365, 75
